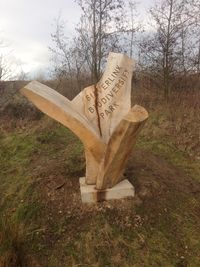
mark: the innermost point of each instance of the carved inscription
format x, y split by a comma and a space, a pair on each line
107, 92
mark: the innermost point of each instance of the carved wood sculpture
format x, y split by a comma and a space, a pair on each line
101, 116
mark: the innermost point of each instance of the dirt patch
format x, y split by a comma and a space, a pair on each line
152, 176
162, 191
157, 184
158, 175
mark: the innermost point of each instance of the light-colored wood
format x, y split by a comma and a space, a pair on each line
113, 98
89, 194
119, 148
100, 116
61, 109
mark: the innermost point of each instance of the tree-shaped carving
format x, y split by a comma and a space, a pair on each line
101, 116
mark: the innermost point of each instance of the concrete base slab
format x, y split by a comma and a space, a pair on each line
121, 190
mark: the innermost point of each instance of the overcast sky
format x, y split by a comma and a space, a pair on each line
27, 26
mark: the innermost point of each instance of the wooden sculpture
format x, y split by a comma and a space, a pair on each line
101, 116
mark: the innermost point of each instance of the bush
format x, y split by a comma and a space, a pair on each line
21, 110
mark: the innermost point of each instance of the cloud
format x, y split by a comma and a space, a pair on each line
27, 26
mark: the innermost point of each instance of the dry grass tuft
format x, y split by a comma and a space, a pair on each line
11, 245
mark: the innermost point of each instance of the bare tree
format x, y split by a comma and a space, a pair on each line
132, 26
68, 60
195, 15
163, 49
99, 29
9, 70
4, 71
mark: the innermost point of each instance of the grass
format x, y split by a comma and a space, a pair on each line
43, 218
11, 244
165, 148
105, 244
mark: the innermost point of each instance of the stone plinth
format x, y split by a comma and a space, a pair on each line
121, 190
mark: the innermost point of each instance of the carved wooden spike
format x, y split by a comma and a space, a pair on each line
108, 130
